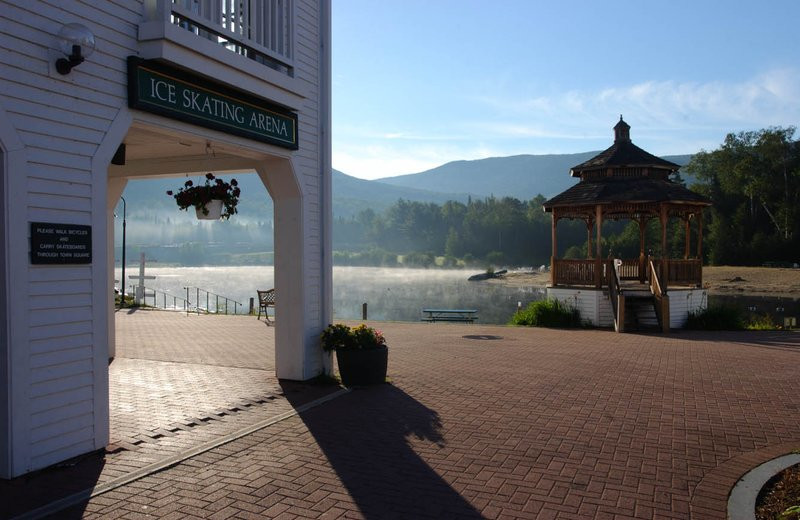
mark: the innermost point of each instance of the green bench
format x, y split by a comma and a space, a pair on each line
458, 315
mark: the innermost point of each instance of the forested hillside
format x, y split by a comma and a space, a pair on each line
753, 180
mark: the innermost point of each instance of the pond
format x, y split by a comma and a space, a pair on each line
396, 294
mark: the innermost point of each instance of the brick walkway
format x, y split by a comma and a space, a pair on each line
497, 422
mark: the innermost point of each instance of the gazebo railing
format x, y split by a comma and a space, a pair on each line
629, 270
578, 272
582, 272
683, 272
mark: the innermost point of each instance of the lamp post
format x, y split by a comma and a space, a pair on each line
122, 280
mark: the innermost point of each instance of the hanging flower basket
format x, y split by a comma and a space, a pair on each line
212, 210
204, 197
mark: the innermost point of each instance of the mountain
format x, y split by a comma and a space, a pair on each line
155, 222
520, 176
352, 195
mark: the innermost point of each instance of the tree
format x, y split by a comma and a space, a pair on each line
753, 180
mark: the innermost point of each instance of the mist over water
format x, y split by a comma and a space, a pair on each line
391, 294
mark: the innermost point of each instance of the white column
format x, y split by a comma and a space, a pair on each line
298, 354
116, 186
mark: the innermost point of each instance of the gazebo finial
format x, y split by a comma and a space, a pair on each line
622, 131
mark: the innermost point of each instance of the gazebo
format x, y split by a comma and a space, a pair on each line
626, 182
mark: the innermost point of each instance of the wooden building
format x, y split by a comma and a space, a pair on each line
626, 182
94, 94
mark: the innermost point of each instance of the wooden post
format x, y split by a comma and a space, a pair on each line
700, 237
598, 265
665, 314
642, 259
664, 267
620, 313
588, 238
688, 236
700, 246
554, 241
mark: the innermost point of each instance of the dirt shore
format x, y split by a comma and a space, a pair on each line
772, 281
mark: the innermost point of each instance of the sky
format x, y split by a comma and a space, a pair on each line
419, 83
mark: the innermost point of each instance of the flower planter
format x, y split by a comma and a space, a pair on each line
213, 200
214, 208
363, 366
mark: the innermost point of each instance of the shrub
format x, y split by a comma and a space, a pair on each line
764, 322
547, 313
716, 317
342, 337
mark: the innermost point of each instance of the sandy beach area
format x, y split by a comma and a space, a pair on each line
766, 281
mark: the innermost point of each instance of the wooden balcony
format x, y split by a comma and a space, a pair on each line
684, 273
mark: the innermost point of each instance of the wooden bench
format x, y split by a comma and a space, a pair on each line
266, 299
460, 315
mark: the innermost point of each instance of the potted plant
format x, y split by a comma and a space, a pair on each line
213, 200
361, 353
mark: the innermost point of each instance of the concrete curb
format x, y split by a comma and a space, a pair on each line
742, 500
86, 494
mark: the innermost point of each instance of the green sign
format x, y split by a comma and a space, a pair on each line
180, 95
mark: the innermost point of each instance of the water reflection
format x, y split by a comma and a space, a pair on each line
399, 294
390, 294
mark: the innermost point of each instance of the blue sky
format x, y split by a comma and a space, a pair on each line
418, 83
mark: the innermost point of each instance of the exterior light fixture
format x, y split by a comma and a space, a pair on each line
77, 43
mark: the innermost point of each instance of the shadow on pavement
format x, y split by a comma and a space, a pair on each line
37, 489
781, 339
367, 435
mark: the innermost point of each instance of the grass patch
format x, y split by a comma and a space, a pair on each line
764, 322
548, 313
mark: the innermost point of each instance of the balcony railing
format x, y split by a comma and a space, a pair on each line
257, 29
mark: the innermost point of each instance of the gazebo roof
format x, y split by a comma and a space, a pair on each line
625, 174
629, 191
622, 153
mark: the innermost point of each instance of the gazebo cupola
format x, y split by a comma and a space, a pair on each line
626, 182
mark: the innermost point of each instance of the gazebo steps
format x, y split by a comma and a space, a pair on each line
640, 312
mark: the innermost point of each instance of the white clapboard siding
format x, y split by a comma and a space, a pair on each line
57, 186
684, 302
58, 173
64, 412
593, 305
62, 121
306, 56
61, 357
50, 347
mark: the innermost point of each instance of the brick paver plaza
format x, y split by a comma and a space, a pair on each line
479, 421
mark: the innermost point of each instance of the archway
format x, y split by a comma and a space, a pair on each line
153, 149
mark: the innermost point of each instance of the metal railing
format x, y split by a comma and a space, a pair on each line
204, 301
261, 30
212, 298
177, 302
